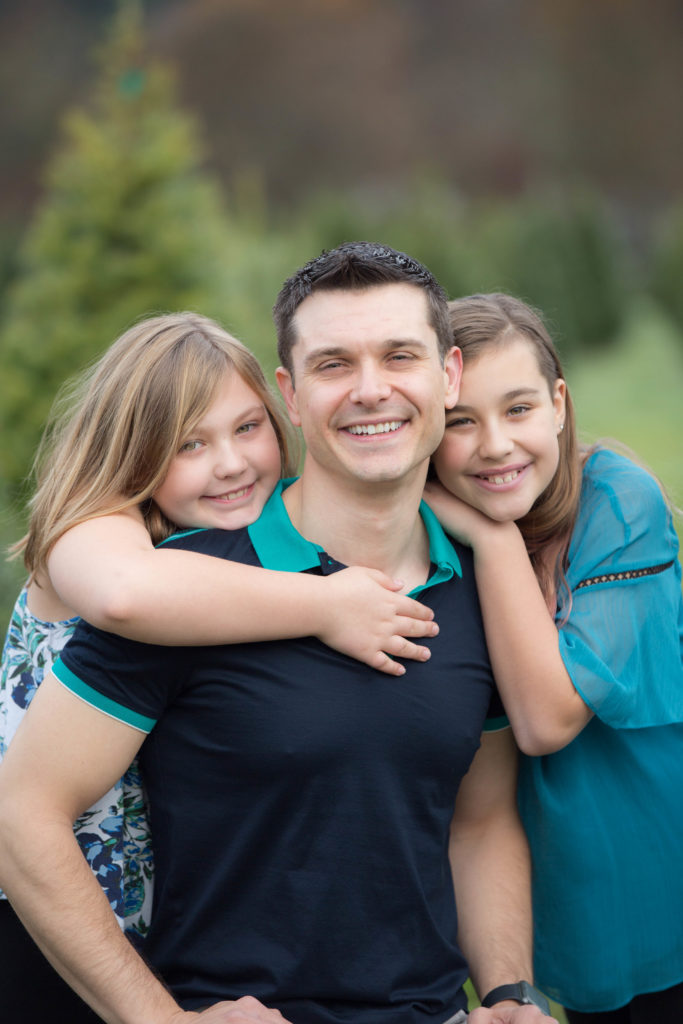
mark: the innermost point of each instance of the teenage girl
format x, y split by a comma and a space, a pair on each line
580, 586
175, 426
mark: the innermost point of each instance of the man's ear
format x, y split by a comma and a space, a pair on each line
285, 383
453, 373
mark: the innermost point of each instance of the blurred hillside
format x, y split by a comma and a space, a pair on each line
494, 96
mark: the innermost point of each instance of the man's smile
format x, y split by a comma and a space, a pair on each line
364, 429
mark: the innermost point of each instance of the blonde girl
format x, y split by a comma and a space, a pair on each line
175, 426
576, 561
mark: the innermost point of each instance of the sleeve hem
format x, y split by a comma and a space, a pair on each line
101, 703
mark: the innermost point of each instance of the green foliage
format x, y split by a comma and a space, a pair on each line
129, 226
667, 264
561, 256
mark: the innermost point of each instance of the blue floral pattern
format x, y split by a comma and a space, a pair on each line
114, 834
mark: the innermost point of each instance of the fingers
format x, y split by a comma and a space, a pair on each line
408, 606
246, 1010
399, 647
383, 663
407, 627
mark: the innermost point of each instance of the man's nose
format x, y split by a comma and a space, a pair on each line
370, 385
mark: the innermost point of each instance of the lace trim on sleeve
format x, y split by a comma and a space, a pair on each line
629, 574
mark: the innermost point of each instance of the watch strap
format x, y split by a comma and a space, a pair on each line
520, 992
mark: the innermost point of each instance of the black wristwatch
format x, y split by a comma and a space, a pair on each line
520, 992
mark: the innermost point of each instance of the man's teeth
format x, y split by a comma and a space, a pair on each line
376, 428
506, 479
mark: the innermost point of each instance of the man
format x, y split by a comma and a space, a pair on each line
307, 831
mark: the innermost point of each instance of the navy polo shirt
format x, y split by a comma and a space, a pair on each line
300, 801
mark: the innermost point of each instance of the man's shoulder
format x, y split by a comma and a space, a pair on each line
234, 545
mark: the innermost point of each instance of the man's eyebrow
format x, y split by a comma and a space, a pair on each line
328, 352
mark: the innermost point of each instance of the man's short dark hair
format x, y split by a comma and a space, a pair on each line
352, 267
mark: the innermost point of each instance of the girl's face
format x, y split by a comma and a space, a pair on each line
500, 449
227, 467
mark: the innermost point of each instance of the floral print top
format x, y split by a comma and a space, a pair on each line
113, 834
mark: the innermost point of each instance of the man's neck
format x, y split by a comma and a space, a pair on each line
370, 524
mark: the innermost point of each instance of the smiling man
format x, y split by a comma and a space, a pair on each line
331, 845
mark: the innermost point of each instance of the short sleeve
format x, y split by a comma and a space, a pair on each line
621, 642
130, 681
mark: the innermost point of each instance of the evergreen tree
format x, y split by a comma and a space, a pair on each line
129, 225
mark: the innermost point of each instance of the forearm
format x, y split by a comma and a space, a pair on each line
108, 571
180, 598
491, 875
61, 904
544, 709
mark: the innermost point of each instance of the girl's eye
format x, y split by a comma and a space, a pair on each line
517, 410
458, 421
246, 428
190, 446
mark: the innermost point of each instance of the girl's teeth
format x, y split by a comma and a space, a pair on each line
508, 478
231, 495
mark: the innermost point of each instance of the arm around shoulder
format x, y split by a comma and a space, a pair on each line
109, 572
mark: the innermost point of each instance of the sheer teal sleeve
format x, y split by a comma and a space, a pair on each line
622, 640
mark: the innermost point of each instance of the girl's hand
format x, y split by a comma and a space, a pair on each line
462, 521
366, 618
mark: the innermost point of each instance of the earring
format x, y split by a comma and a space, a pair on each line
561, 428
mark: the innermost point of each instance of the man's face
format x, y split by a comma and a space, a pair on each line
369, 389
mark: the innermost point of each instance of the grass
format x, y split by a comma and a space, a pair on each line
633, 392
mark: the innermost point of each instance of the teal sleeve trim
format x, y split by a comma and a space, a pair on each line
97, 700
496, 724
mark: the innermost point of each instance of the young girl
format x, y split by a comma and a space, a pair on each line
596, 686
174, 427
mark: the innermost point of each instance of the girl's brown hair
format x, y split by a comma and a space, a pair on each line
480, 322
114, 432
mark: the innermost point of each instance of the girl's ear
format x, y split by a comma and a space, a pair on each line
559, 404
288, 392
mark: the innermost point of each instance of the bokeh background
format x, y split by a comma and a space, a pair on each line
178, 154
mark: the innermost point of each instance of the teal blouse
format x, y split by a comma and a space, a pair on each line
604, 815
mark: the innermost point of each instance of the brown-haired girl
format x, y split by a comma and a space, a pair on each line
577, 568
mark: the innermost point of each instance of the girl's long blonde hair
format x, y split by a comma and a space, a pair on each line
113, 433
480, 322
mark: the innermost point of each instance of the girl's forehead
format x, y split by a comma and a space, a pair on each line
509, 351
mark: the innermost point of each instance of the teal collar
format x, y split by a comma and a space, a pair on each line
279, 546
